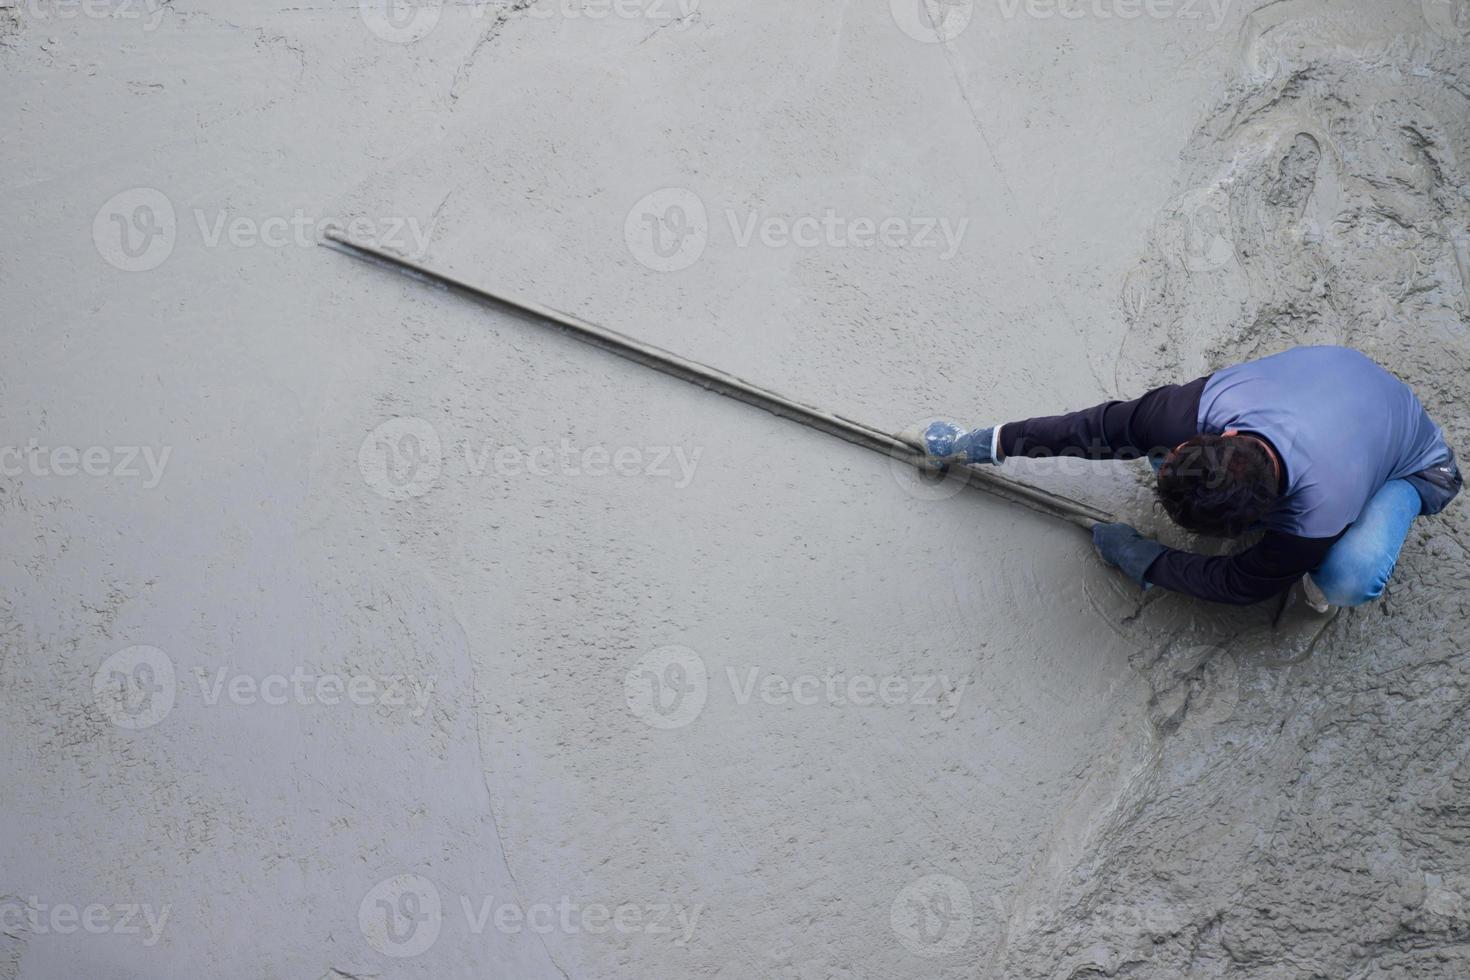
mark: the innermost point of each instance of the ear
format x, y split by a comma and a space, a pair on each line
1230, 432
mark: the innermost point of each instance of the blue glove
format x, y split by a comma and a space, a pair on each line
947, 441
1123, 547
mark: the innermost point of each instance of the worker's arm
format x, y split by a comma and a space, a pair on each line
1151, 425
1266, 569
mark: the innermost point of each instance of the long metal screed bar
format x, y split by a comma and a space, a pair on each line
713, 379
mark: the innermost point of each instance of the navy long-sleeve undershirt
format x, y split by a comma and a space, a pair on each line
1152, 426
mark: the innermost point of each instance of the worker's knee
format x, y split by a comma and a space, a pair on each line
1347, 593
1352, 576
1359, 565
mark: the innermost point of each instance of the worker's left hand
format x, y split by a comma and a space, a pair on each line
946, 441
1123, 547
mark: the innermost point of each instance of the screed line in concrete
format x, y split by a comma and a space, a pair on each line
713, 379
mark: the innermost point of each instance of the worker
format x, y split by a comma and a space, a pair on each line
1327, 454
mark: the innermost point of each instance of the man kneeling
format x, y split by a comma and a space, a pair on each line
1326, 452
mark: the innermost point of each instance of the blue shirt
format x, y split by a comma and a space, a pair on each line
1342, 425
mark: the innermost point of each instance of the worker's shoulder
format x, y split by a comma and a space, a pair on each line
1317, 359
1321, 351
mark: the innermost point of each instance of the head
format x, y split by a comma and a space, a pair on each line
1218, 485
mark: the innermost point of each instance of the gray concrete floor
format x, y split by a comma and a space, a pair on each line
352, 630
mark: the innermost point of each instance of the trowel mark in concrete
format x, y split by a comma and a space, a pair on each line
1297, 177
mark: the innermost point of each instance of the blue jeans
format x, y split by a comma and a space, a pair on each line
1358, 567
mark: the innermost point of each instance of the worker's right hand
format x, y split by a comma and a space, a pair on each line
949, 443
1123, 547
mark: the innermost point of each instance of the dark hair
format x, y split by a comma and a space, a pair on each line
1218, 485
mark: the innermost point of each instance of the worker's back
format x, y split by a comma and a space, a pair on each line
1343, 426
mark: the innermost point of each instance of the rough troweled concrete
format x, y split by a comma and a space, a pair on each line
616, 639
